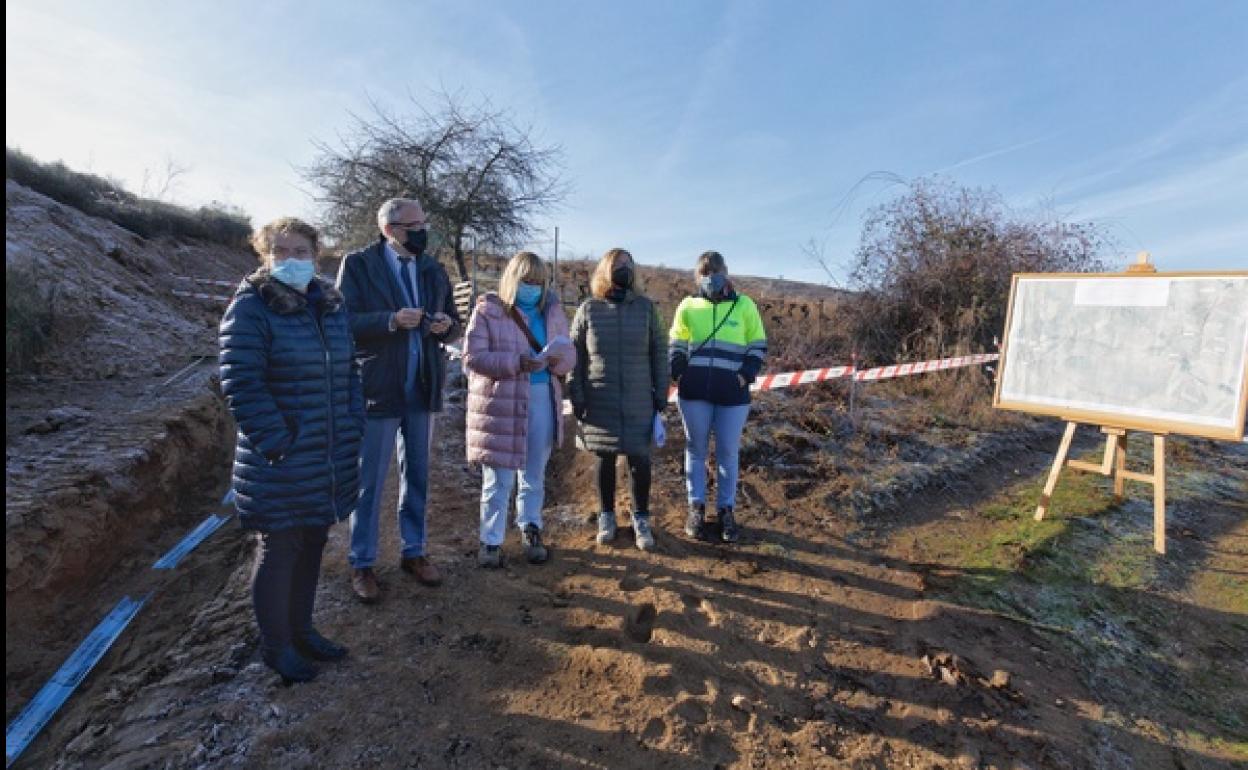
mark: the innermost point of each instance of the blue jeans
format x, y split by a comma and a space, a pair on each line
415, 434
496, 483
701, 418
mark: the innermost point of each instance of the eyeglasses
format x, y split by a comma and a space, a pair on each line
299, 252
411, 225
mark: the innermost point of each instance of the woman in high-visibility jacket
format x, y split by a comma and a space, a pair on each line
716, 347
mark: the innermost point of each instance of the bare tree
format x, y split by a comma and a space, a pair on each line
817, 252
161, 187
470, 166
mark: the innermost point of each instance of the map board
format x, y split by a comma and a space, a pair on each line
1162, 352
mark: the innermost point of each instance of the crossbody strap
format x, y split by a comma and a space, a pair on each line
524, 327
718, 326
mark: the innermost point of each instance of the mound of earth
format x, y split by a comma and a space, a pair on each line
111, 292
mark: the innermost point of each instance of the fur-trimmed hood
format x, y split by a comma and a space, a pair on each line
284, 300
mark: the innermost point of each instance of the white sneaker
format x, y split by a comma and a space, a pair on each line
606, 527
642, 532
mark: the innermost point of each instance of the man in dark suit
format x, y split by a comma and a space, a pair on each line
402, 309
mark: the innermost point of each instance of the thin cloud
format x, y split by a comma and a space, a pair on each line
1186, 187
997, 153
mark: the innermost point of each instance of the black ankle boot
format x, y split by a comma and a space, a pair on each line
313, 646
729, 532
290, 665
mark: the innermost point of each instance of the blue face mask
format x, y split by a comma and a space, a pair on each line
528, 295
712, 286
295, 273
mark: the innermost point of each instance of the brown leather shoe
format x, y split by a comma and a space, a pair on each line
423, 569
364, 584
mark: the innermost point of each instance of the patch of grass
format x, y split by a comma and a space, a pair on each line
1223, 592
1235, 749
1088, 570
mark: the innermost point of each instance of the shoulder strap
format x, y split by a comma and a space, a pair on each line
519, 319
718, 326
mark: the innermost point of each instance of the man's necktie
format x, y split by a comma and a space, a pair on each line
406, 271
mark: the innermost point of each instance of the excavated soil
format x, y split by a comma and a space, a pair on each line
822, 640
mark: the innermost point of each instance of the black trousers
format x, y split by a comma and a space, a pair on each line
283, 585
638, 474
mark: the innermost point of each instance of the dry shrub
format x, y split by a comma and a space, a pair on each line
107, 199
934, 267
28, 317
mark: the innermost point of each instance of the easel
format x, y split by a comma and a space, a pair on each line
1114, 462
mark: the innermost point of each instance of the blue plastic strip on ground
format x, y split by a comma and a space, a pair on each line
30, 721
194, 538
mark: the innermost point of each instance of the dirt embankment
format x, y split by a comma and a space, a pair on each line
92, 502
111, 292
115, 443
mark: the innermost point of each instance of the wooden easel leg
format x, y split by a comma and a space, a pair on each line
1120, 466
1058, 463
1159, 494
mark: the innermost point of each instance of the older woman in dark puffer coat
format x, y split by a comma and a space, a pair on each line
290, 379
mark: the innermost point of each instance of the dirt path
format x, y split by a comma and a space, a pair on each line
818, 642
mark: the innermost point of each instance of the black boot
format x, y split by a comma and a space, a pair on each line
290, 665
313, 646
729, 532
695, 521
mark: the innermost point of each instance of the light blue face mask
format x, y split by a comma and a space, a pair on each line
295, 273
528, 295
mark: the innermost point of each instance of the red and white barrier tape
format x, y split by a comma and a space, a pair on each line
922, 367
801, 377
807, 376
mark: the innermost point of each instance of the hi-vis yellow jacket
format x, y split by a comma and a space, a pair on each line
711, 342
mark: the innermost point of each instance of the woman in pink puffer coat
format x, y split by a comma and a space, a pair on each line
517, 349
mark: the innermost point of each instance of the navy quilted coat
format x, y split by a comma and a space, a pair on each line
290, 380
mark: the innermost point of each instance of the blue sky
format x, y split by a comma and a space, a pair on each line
740, 126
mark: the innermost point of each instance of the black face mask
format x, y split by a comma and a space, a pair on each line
416, 241
622, 277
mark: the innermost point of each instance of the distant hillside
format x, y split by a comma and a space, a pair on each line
789, 306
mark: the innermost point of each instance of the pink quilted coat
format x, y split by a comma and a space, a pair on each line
498, 392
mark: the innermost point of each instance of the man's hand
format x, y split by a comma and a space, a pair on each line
440, 323
408, 317
530, 364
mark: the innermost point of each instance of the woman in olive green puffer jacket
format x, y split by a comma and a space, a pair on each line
619, 384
